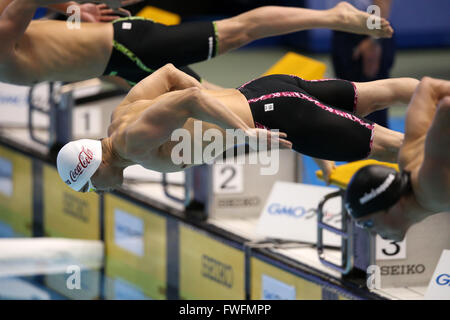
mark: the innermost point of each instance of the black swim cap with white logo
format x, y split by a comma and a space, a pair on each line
375, 188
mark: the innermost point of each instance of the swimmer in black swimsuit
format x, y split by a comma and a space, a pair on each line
132, 48
141, 46
323, 119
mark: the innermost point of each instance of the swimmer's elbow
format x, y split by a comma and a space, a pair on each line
171, 71
169, 66
185, 105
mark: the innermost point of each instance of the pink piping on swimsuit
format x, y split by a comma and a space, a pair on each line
300, 95
319, 104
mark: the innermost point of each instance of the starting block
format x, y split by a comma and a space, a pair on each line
299, 65
407, 263
159, 15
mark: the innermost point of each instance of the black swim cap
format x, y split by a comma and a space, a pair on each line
374, 188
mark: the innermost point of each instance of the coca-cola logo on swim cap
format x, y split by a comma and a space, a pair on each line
84, 159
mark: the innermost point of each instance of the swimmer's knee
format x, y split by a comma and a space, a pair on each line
231, 34
425, 83
426, 80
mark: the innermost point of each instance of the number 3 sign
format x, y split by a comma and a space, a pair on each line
228, 178
390, 250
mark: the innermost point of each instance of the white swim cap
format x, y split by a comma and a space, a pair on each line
77, 162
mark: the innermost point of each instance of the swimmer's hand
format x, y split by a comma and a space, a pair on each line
97, 13
327, 168
370, 52
273, 138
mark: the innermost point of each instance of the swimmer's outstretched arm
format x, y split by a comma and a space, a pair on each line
165, 79
170, 112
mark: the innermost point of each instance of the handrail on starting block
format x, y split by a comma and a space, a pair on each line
340, 177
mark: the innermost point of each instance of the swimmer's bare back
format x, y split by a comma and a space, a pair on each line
160, 158
51, 51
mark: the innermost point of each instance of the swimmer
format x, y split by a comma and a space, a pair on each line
389, 202
322, 119
133, 47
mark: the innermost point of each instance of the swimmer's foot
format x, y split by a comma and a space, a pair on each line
350, 19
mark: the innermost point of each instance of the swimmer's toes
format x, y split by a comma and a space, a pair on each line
386, 29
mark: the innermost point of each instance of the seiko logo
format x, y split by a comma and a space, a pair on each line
84, 159
443, 279
75, 207
244, 202
217, 271
296, 212
397, 270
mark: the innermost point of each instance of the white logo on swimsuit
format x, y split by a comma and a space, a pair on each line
126, 25
375, 192
268, 107
211, 46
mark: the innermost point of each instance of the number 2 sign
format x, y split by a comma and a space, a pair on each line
228, 178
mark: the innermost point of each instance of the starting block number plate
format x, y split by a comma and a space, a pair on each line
87, 121
228, 178
390, 250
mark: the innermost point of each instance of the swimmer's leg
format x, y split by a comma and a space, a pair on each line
386, 144
275, 20
377, 95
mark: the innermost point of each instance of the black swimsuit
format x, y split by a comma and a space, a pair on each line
141, 46
317, 116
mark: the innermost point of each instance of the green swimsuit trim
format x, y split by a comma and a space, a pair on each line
124, 50
130, 18
216, 37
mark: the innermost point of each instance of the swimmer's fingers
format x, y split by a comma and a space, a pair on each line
106, 11
278, 137
272, 139
282, 134
102, 6
328, 170
285, 144
387, 27
126, 12
276, 133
